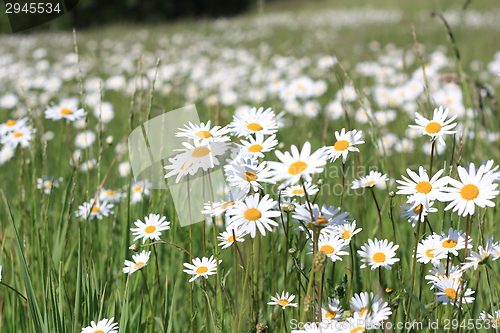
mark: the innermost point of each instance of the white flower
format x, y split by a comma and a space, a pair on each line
94, 209
378, 254
151, 228
284, 300
140, 260
103, 326
344, 144
203, 267
438, 126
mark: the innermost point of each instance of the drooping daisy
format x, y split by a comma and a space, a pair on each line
21, 136
321, 218
297, 165
47, 184
67, 109
438, 126
452, 291
378, 254
333, 311
284, 300
298, 190
480, 257
228, 237
414, 211
253, 213
475, 188
254, 121
203, 132
374, 178
332, 246
103, 326
421, 188
344, 144
140, 260
85, 139
111, 195
203, 267
94, 209
247, 174
426, 250
370, 307
255, 147
453, 241
151, 228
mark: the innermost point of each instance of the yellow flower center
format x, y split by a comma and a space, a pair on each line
49, 184
200, 152
379, 257
226, 204
95, 209
298, 191
232, 239
254, 127
283, 302
327, 249
202, 269
370, 183
150, 229
11, 123
204, 134
424, 187
297, 167
433, 127
330, 314
341, 145
66, 111
99, 331
250, 176
357, 329
429, 253
451, 293
418, 209
449, 243
18, 134
469, 192
255, 148
252, 214
321, 220
346, 234
137, 188
110, 192
139, 265
363, 311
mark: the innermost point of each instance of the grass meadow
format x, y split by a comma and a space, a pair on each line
321, 66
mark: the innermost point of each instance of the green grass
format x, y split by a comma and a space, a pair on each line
70, 270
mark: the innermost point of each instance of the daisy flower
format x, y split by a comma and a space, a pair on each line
254, 121
479, 258
13, 125
203, 267
452, 290
47, 184
67, 109
21, 136
247, 174
228, 237
437, 127
333, 311
140, 260
85, 139
151, 229
140, 189
414, 211
103, 326
219, 207
494, 319
284, 300
298, 190
439, 271
94, 209
253, 213
111, 195
331, 246
345, 230
372, 179
344, 144
475, 188
370, 307
6, 154
452, 242
421, 188
203, 132
298, 165
324, 217
426, 250
257, 146
378, 254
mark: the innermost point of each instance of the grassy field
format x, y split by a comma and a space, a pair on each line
321, 66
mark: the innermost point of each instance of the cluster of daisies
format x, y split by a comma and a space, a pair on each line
14, 133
